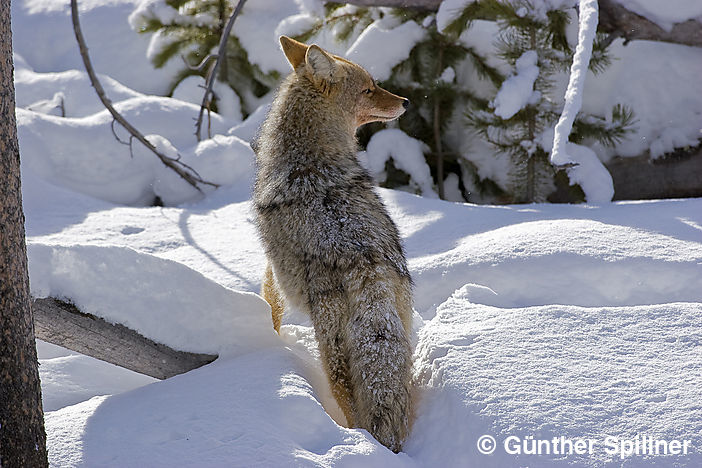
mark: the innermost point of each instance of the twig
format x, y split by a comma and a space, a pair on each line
62, 106
212, 74
119, 140
201, 66
422, 5
437, 130
190, 177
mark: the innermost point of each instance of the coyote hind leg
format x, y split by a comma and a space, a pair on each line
329, 314
271, 293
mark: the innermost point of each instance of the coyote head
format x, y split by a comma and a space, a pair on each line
343, 83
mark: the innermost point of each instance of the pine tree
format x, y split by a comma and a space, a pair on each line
192, 29
447, 110
526, 29
428, 79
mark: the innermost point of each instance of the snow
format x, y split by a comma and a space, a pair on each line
77, 96
68, 378
578, 71
397, 43
212, 417
541, 320
51, 146
407, 154
448, 11
448, 75
654, 79
115, 49
601, 364
589, 172
256, 30
517, 90
608, 297
665, 14
123, 286
586, 169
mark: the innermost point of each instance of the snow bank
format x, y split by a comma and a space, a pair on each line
78, 97
55, 148
68, 378
598, 264
253, 410
557, 371
486, 362
161, 299
622, 254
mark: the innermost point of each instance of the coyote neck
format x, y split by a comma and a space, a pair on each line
309, 127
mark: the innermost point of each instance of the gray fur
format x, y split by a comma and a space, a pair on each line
335, 253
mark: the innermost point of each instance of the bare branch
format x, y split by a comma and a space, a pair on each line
212, 74
191, 178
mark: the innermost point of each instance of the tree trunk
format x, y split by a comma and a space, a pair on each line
22, 436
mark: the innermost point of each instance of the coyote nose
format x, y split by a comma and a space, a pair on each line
405, 103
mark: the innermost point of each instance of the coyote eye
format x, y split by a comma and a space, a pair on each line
367, 91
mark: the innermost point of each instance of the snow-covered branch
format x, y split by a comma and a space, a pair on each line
576, 84
581, 163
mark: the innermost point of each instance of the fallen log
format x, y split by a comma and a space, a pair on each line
614, 19
617, 20
63, 324
676, 175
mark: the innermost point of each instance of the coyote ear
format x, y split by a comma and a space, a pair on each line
322, 65
294, 51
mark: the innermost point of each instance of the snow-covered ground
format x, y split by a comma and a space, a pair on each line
581, 324
574, 321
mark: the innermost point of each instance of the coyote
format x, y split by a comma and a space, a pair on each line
332, 249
